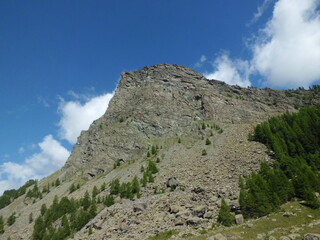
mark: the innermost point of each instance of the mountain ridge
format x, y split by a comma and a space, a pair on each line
176, 109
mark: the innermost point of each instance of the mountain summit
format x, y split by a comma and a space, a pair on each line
171, 145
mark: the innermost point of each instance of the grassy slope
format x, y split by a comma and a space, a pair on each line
306, 220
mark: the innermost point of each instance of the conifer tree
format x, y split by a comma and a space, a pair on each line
30, 217
225, 216
135, 185
57, 182
43, 209
11, 219
115, 187
109, 200
1, 225
95, 192
72, 188
85, 201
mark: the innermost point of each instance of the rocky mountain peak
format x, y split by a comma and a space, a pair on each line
166, 101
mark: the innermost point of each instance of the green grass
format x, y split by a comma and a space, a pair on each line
274, 225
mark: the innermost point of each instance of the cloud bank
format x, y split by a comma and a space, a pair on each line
52, 155
76, 117
285, 52
233, 72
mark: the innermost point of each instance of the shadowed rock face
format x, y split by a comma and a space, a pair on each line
163, 101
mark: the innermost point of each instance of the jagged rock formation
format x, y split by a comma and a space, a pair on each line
164, 101
176, 109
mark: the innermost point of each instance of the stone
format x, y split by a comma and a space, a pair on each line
289, 214
239, 219
208, 215
311, 236
199, 211
175, 209
172, 183
219, 236
193, 221
139, 207
261, 236
284, 238
294, 236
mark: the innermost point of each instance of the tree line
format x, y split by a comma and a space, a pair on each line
294, 141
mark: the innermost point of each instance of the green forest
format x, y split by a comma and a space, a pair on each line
294, 142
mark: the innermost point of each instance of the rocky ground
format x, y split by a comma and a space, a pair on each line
177, 110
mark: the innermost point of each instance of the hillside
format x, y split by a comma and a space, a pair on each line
195, 131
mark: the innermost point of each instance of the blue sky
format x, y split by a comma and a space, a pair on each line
60, 61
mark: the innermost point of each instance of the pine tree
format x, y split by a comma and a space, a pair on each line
152, 167
95, 192
103, 187
43, 209
93, 209
72, 188
115, 187
135, 185
204, 152
85, 201
144, 179
153, 150
11, 220
225, 216
57, 182
1, 225
109, 200
66, 231
208, 142
30, 217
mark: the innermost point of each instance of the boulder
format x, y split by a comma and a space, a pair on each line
294, 236
289, 214
173, 183
208, 215
139, 207
199, 211
311, 236
193, 221
175, 209
284, 238
239, 219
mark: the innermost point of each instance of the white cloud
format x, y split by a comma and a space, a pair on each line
51, 157
233, 72
201, 61
203, 58
260, 10
287, 51
76, 116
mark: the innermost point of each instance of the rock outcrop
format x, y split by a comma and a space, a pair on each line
200, 129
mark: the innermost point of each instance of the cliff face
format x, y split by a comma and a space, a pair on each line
164, 101
177, 110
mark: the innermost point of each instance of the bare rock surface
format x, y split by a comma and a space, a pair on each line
176, 109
